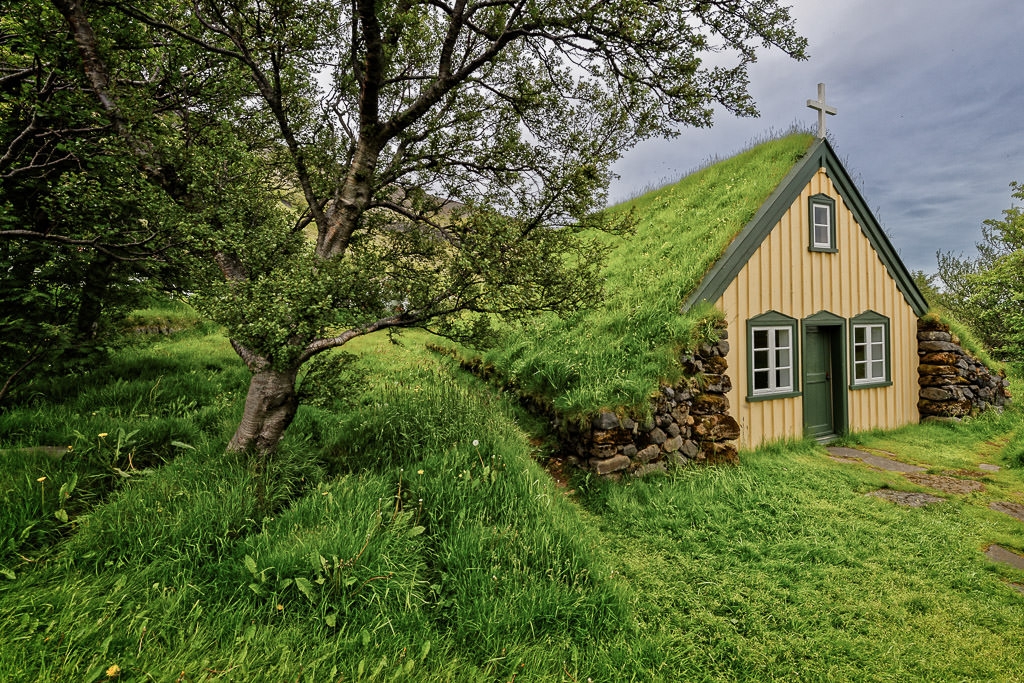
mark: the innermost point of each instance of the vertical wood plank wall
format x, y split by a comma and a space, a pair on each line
783, 275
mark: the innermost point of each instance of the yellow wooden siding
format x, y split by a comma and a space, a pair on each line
783, 275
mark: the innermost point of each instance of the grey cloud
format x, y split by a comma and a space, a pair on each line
929, 94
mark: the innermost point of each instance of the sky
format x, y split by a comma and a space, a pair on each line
930, 122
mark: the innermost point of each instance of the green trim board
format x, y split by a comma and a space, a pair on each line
773, 320
829, 203
739, 251
870, 318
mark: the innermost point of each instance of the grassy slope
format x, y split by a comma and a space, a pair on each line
209, 568
614, 355
426, 544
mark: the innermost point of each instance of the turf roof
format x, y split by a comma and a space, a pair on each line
615, 355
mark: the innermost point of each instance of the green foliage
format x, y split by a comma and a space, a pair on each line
615, 354
988, 290
102, 201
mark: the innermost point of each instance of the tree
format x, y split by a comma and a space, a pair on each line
988, 291
450, 157
110, 175
73, 228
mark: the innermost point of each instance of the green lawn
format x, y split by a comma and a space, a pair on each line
406, 532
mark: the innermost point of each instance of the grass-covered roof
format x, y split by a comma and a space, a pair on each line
615, 354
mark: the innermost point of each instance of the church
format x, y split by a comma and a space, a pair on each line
821, 310
821, 313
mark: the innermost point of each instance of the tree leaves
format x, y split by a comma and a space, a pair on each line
327, 170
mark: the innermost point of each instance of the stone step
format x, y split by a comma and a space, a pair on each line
1001, 555
875, 461
1015, 510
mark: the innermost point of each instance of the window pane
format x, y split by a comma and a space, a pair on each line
878, 370
760, 339
860, 371
760, 360
782, 337
858, 335
821, 215
876, 333
782, 358
821, 236
760, 380
782, 378
859, 353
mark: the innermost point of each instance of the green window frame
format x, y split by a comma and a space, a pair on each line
870, 351
773, 357
821, 228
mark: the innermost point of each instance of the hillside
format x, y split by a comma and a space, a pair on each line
614, 354
405, 532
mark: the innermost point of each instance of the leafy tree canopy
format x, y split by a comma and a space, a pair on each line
441, 161
988, 290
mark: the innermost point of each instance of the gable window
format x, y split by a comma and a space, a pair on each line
771, 356
822, 219
870, 350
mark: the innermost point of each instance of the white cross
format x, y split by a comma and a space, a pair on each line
822, 108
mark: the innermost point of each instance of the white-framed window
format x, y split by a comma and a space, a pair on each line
773, 357
870, 357
822, 223
771, 360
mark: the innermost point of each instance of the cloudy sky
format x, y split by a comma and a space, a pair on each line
930, 123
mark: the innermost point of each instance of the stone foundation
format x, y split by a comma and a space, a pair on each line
689, 423
953, 383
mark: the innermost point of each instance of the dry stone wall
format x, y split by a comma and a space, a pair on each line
954, 383
689, 423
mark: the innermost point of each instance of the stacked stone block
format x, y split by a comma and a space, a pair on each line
953, 383
689, 423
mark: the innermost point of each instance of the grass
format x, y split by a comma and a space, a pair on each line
110, 425
169, 314
783, 569
963, 336
614, 355
405, 532
412, 536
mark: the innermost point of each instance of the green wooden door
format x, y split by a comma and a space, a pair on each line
818, 408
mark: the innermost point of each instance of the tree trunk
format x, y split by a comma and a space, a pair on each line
92, 298
270, 407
